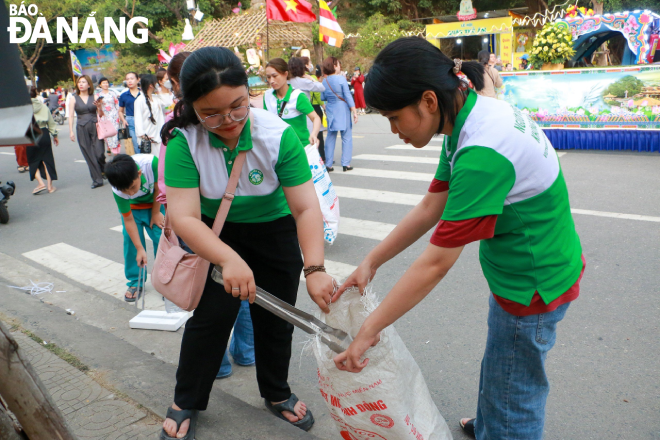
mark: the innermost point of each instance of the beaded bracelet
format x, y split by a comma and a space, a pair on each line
311, 269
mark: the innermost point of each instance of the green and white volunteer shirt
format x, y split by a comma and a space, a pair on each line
295, 112
144, 198
499, 162
197, 158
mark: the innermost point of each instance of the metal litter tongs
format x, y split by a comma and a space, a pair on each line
337, 340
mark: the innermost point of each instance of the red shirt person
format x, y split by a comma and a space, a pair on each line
356, 82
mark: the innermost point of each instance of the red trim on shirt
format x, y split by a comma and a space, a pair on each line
452, 234
537, 306
438, 186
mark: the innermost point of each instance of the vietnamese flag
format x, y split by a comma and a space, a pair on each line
290, 10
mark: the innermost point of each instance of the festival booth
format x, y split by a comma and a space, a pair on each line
610, 108
495, 29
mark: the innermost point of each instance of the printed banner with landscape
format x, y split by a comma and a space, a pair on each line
613, 98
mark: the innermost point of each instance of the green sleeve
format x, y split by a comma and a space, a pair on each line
444, 171
154, 168
292, 167
479, 184
180, 168
303, 105
123, 204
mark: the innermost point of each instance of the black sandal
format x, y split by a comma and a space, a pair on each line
348, 168
180, 416
305, 423
468, 427
330, 169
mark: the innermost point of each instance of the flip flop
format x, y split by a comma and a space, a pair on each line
22, 169
39, 190
179, 417
132, 290
52, 190
305, 423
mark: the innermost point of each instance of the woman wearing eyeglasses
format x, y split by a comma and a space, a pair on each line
275, 214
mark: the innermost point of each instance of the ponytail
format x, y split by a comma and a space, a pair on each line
145, 82
410, 66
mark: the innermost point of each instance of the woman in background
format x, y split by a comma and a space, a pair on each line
357, 82
340, 112
290, 104
108, 103
149, 117
492, 78
163, 94
81, 104
40, 156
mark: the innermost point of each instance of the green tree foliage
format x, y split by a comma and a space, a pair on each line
378, 32
628, 83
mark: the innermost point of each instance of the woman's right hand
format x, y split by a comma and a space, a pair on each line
72, 136
364, 273
355, 116
239, 279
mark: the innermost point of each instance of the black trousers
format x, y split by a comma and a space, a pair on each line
319, 111
92, 150
271, 250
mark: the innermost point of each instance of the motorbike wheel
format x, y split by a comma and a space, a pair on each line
59, 119
4, 214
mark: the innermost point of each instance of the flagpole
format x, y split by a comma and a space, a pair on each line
267, 35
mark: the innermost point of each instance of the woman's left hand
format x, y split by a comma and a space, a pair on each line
350, 359
355, 117
313, 140
57, 142
321, 287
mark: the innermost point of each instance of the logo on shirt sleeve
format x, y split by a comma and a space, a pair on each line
256, 177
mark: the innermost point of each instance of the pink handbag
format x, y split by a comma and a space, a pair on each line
179, 275
105, 128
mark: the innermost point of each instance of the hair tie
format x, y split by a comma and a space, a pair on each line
458, 63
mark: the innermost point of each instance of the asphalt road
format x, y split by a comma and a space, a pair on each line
604, 369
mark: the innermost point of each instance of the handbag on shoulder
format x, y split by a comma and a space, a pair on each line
179, 275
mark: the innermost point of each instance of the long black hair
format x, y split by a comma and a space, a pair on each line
203, 71
410, 66
146, 81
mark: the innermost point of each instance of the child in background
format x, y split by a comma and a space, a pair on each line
133, 180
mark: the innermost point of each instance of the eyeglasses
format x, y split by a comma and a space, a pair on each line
237, 114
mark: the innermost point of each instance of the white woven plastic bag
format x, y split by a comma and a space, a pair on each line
388, 399
325, 193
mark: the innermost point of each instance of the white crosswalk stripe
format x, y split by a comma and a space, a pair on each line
92, 270
410, 147
364, 228
414, 199
407, 159
390, 174
374, 195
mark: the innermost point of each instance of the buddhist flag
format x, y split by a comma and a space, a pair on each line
290, 10
75, 64
329, 30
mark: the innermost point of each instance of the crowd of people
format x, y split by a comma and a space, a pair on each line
187, 129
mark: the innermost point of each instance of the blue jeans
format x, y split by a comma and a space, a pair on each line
242, 342
513, 387
346, 147
131, 130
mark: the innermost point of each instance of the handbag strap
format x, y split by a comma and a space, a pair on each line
333, 91
228, 197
